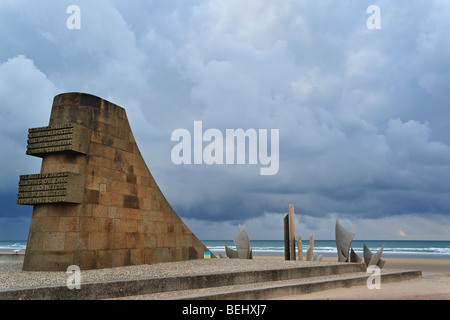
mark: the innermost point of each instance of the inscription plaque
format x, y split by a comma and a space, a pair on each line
70, 137
60, 187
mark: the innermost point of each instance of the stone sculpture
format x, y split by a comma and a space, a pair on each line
96, 204
289, 234
343, 241
287, 253
371, 259
354, 257
309, 252
292, 233
300, 248
243, 248
230, 253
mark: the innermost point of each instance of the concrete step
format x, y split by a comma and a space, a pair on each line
12, 256
253, 282
274, 289
132, 287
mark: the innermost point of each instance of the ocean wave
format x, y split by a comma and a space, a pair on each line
359, 251
12, 246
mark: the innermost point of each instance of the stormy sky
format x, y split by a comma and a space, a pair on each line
363, 114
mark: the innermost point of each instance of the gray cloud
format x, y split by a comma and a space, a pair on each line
362, 114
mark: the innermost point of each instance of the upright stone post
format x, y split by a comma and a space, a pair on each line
292, 233
300, 248
309, 252
287, 255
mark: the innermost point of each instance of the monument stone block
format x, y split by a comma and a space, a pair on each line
96, 204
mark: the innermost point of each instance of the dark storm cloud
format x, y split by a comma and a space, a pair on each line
363, 114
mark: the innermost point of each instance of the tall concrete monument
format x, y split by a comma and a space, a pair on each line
96, 204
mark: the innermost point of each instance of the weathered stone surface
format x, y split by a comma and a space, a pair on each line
243, 248
354, 257
343, 241
60, 187
231, 253
287, 254
243, 243
122, 218
300, 248
309, 252
371, 259
69, 137
292, 232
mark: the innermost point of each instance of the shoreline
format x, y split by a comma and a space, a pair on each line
423, 264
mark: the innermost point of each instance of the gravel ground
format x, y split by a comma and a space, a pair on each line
12, 276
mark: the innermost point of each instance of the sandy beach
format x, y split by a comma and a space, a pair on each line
433, 285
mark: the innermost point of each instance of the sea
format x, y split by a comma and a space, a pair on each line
326, 248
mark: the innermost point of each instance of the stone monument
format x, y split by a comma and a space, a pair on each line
300, 248
354, 256
343, 241
287, 254
309, 252
243, 248
289, 234
371, 259
96, 204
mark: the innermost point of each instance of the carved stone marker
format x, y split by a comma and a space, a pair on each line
96, 204
343, 241
243, 248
